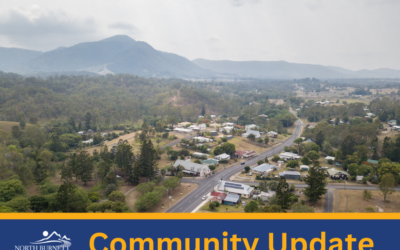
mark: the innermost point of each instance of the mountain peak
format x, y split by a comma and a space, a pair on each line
118, 38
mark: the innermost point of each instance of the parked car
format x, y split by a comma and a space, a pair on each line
243, 163
204, 198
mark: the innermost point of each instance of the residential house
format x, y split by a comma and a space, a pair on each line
88, 141
214, 133
223, 157
229, 124
293, 175
231, 199
243, 190
183, 130
392, 123
272, 134
217, 196
81, 132
192, 168
334, 173
202, 139
200, 155
264, 169
227, 129
289, 156
309, 141
244, 153
250, 127
210, 161
254, 132
213, 116
265, 196
329, 158
266, 116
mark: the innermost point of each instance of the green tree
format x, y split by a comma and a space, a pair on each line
88, 121
247, 169
266, 140
292, 164
148, 159
125, 160
251, 207
283, 194
116, 196
19, 204
298, 141
10, 189
320, 138
38, 203
387, 185
251, 137
276, 158
203, 111
312, 155
22, 123
40, 172
305, 160
316, 181
16, 132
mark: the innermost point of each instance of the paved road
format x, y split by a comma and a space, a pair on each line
177, 141
192, 200
328, 205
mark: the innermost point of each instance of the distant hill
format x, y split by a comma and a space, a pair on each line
122, 54
12, 57
282, 69
117, 54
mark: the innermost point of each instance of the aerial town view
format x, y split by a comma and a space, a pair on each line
230, 108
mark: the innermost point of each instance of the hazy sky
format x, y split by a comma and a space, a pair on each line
354, 34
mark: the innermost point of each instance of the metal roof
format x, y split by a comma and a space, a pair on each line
232, 198
264, 167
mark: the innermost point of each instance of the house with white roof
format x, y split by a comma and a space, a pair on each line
192, 168
183, 130
272, 134
264, 168
202, 139
329, 158
230, 124
254, 132
251, 126
289, 156
243, 190
88, 141
223, 157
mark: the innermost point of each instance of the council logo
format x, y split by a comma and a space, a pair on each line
54, 241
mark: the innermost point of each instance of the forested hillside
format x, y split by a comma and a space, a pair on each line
116, 99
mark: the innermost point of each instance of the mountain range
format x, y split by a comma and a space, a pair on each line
122, 54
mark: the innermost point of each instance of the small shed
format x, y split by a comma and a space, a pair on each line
304, 168
214, 133
359, 178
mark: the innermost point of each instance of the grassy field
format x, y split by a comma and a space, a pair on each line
243, 144
6, 126
353, 200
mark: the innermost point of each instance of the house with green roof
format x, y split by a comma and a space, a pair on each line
210, 161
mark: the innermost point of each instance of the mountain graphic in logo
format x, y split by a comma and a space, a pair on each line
54, 238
